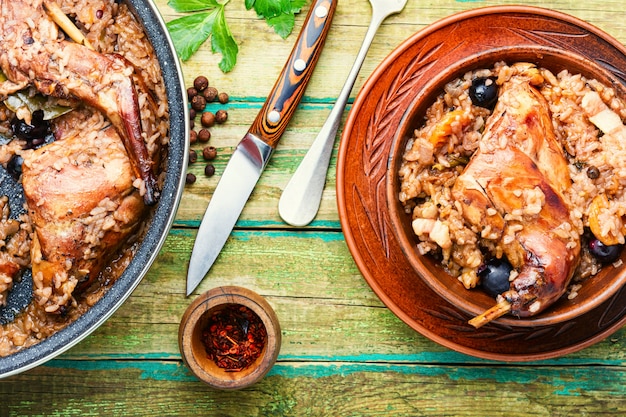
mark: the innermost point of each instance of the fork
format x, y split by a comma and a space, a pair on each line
301, 197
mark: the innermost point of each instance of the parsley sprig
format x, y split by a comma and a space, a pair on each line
206, 19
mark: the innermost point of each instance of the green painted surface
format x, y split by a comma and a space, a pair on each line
343, 353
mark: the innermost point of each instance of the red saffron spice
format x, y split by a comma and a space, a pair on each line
234, 337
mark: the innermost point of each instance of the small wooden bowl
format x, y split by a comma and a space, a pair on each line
195, 320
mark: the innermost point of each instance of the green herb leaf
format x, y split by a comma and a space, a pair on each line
208, 20
223, 42
185, 6
282, 24
271, 8
279, 14
190, 32
297, 5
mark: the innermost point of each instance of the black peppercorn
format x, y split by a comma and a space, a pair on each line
209, 170
190, 178
193, 156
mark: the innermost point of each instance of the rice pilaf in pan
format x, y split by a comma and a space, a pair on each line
85, 131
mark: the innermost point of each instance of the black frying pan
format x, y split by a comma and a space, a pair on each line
160, 224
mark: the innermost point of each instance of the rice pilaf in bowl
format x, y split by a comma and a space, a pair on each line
386, 113
510, 176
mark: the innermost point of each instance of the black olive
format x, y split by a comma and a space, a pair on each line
484, 92
37, 129
35, 133
605, 254
14, 167
593, 173
20, 128
494, 276
41, 127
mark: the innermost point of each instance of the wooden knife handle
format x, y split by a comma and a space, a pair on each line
283, 100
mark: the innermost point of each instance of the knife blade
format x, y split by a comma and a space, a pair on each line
255, 149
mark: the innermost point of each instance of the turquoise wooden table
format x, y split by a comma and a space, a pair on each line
343, 352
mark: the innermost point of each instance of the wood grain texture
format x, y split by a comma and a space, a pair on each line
318, 389
343, 353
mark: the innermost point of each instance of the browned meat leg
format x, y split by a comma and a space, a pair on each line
516, 182
33, 52
76, 237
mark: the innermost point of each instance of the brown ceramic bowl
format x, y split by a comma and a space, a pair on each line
594, 291
195, 320
388, 108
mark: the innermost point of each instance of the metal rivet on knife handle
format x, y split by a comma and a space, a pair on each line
290, 87
273, 116
321, 11
299, 65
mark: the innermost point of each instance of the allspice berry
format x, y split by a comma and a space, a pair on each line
209, 170
191, 93
209, 153
223, 98
210, 94
198, 103
190, 178
193, 137
207, 119
221, 116
201, 83
204, 135
193, 156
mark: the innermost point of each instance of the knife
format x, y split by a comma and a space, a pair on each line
255, 149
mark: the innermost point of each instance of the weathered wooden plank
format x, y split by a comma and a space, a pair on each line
343, 352
325, 307
348, 28
148, 388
